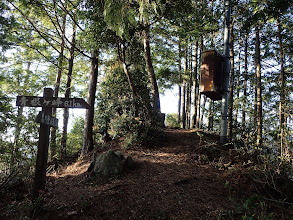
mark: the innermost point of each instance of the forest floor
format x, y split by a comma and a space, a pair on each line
186, 175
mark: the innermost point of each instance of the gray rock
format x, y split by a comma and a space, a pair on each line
128, 163
119, 154
108, 164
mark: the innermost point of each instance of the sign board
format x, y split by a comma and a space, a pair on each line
48, 120
211, 80
51, 102
45, 118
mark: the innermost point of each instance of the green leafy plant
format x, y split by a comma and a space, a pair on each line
172, 121
119, 114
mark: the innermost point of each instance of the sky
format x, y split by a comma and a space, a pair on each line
169, 101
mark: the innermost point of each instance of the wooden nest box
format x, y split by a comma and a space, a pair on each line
211, 80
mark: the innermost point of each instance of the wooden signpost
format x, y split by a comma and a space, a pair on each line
47, 102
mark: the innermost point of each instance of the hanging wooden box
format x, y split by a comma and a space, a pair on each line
211, 79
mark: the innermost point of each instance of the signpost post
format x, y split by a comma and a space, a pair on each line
42, 154
47, 102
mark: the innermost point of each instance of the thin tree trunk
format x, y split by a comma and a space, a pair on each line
195, 91
203, 111
231, 86
183, 121
210, 115
245, 83
238, 84
213, 41
185, 89
211, 102
258, 89
189, 87
282, 93
122, 57
130, 81
190, 83
198, 111
199, 96
53, 145
179, 84
151, 72
88, 142
187, 105
67, 95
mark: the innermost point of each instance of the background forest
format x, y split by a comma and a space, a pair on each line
121, 55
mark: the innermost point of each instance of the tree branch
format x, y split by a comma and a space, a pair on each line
33, 25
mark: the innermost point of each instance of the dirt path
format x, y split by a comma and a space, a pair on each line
168, 181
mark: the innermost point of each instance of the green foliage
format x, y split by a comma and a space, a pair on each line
96, 33
273, 177
121, 115
172, 120
8, 25
6, 112
120, 17
75, 136
126, 18
256, 208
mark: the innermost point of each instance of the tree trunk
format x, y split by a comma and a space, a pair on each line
202, 112
130, 81
213, 40
198, 110
238, 84
245, 84
210, 115
195, 91
151, 72
189, 85
187, 109
211, 102
53, 145
199, 96
258, 89
282, 93
88, 142
122, 58
185, 89
183, 121
231, 85
67, 95
179, 84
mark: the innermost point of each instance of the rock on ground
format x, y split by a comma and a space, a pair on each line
111, 163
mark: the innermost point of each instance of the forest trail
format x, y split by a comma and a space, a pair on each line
179, 178
186, 175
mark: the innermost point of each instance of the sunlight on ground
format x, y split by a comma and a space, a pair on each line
73, 169
159, 157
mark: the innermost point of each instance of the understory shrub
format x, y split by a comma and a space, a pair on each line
172, 121
121, 115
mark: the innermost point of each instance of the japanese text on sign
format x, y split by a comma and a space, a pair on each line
51, 102
47, 120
